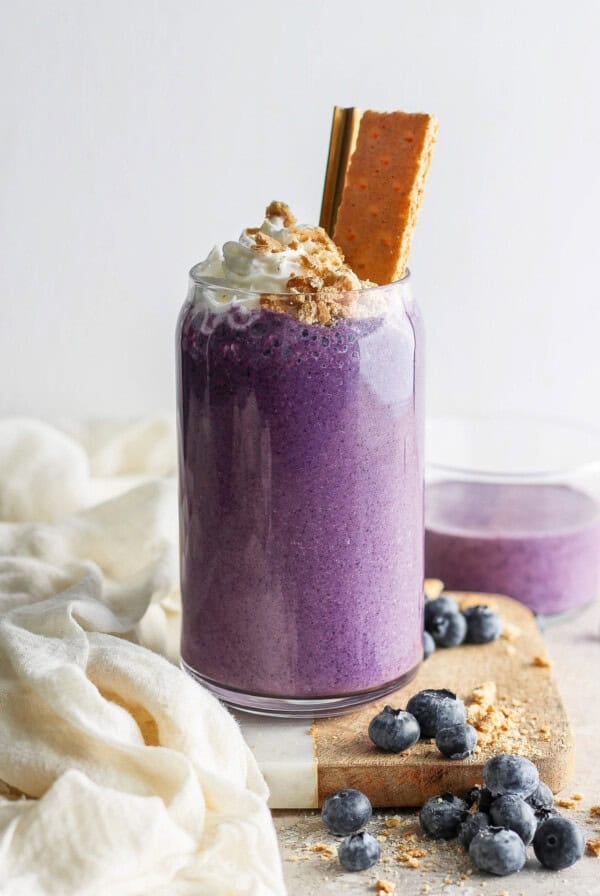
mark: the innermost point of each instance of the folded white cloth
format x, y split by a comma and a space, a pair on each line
137, 780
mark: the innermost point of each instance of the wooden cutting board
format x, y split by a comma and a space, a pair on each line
528, 703
303, 761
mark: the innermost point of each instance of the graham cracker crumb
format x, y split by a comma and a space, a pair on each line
510, 632
566, 803
323, 849
593, 846
265, 244
385, 886
392, 822
543, 662
277, 209
411, 856
426, 888
595, 811
500, 724
485, 694
433, 588
577, 796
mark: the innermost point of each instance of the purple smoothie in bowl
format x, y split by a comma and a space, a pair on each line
301, 500
534, 536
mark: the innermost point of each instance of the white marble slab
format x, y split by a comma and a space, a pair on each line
285, 752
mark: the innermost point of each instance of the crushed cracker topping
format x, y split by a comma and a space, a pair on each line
543, 662
282, 210
265, 244
384, 886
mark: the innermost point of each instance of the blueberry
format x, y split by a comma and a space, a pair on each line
359, 852
394, 730
483, 624
558, 843
498, 851
441, 816
346, 811
541, 800
441, 604
507, 773
456, 741
473, 823
448, 629
428, 645
510, 811
435, 709
479, 797
485, 799
472, 796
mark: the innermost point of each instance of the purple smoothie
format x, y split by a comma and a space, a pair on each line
301, 501
537, 543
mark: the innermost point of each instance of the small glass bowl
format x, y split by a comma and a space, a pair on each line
512, 506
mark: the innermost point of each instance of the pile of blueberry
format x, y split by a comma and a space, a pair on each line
447, 626
430, 713
497, 822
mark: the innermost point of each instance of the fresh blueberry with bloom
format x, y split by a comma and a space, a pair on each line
512, 812
456, 741
473, 823
359, 852
442, 604
435, 709
483, 624
394, 730
448, 629
346, 811
498, 851
428, 645
541, 800
441, 816
508, 773
558, 843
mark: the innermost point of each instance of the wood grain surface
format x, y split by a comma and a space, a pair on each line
527, 698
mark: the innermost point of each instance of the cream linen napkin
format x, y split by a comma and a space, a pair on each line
137, 780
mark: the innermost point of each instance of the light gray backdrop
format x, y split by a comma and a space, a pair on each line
136, 134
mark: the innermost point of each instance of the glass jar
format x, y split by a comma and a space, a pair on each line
301, 499
513, 507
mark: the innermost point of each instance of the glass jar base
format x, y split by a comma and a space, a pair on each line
304, 708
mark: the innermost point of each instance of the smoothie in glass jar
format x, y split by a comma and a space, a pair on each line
301, 475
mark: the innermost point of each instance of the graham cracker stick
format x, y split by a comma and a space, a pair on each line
383, 191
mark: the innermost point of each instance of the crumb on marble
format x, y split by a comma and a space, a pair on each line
384, 886
593, 847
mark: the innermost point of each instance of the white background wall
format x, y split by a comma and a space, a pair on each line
136, 133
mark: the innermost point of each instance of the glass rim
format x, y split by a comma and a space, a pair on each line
214, 283
486, 473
